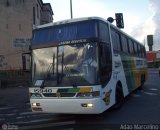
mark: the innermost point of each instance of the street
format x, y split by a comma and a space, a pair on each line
140, 107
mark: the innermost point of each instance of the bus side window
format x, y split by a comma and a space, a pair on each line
134, 52
105, 63
139, 50
135, 47
142, 53
104, 32
115, 40
131, 49
124, 41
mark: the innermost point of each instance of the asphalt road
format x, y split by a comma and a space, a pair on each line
141, 110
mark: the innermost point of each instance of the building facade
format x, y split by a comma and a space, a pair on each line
153, 59
17, 19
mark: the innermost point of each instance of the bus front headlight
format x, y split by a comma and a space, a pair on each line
89, 105
34, 104
88, 94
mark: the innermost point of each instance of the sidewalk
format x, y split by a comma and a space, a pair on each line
12, 96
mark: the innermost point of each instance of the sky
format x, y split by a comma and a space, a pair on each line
141, 17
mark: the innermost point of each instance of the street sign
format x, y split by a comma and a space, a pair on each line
21, 42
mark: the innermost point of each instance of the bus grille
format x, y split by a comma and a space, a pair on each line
59, 94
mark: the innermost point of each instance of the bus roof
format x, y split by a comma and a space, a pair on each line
54, 33
75, 20
69, 21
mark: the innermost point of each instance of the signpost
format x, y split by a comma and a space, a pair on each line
21, 42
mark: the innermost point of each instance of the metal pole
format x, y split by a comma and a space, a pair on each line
71, 9
144, 42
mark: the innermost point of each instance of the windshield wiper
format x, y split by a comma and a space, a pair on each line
49, 75
50, 71
72, 79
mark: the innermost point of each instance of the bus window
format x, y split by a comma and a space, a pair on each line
124, 43
136, 49
139, 51
115, 40
105, 63
104, 32
131, 46
142, 52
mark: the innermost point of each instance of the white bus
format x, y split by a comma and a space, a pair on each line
84, 66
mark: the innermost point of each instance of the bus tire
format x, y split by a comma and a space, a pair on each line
142, 82
119, 97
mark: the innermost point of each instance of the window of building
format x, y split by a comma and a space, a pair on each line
7, 3
34, 19
37, 11
19, 27
19, 2
16, 2
6, 26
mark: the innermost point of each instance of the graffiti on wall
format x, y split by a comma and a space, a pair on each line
3, 63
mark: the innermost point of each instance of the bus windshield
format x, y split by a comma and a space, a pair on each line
66, 65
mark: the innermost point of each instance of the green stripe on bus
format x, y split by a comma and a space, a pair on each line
128, 65
73, 90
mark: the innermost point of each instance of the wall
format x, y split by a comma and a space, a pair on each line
15, 22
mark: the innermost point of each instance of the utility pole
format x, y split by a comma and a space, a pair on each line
144, 42
71, 9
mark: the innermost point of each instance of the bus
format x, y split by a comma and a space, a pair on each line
83, 66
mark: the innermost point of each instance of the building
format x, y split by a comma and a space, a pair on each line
17, 19
153, 59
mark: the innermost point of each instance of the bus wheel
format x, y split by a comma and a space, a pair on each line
119, 97
142, 82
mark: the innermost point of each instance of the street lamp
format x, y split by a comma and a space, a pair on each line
71, 9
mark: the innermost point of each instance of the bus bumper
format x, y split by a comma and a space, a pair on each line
69, 106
